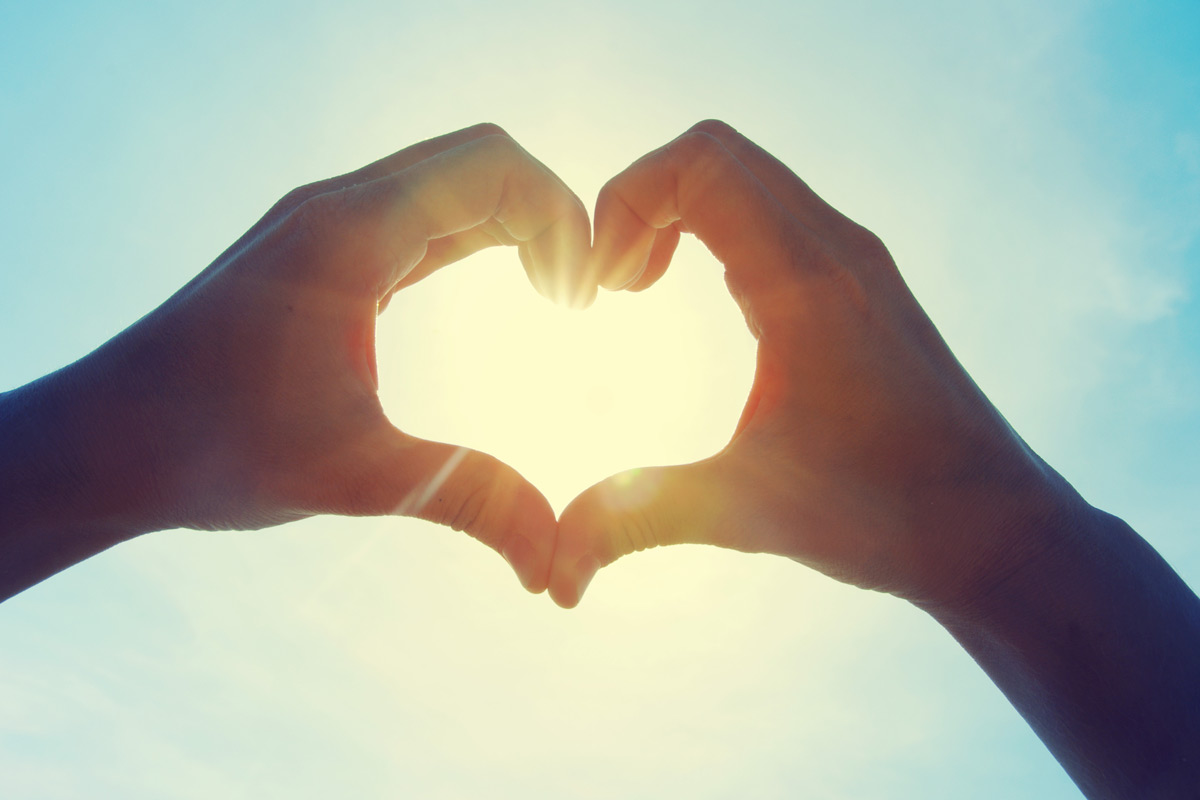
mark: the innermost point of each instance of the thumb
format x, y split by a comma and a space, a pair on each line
636, 510
472, 492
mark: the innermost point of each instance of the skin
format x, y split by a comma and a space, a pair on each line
249, 398
865, 451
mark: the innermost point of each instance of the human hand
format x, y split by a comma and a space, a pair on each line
254, 388
864, 450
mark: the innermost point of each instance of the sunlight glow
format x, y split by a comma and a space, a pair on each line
567, 397
1033, 167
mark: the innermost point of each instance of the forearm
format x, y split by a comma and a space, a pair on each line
1098, 647
70, 467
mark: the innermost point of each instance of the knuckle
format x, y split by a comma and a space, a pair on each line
564, 205
317, 212
610, 192
317, 236
698, 151
488, 129
868, 247
713, 127
499, 146
296, 197
697, 144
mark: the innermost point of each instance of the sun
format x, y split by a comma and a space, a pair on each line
472, 355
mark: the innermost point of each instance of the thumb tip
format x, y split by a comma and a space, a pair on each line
565, 599
568, 587
526, 562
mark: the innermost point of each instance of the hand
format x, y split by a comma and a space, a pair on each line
864, 449
250, 397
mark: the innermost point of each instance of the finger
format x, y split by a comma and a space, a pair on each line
623, 241
455, 247
449, 249
696, 183
438, 254
634, 511
665, 242
489, 180
393, 473
638, 256
792, 192
476, 493
395, 162
385, 166
413, 154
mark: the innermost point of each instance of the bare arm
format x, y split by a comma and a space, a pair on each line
1098, 646
249, 398
866, 451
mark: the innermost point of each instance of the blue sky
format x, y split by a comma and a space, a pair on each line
1034, 168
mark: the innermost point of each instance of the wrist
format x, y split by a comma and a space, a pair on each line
1095, 644
1010, 534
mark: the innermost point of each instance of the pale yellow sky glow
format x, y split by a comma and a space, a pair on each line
567, 397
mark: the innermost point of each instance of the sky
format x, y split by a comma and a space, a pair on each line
1034, 168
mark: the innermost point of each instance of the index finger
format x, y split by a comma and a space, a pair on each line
793, 193
696, 183
482, 184
401, 159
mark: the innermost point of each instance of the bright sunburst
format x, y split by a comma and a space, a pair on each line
474, 356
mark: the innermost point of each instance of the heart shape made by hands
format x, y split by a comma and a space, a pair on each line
857, 418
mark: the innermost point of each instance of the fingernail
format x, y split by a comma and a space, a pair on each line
585, 570
630, 281
582, 298
521, 556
